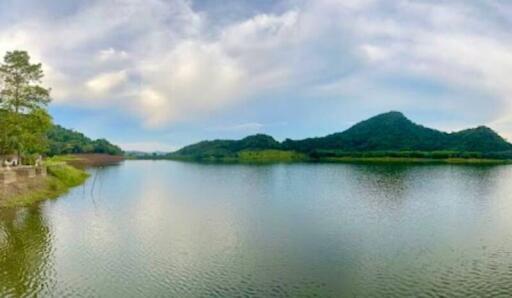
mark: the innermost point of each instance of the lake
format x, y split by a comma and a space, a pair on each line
165, 228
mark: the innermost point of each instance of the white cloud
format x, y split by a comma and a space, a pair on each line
164, 62
375, 53
169, 69
456, 44
104, 83
192, 79
249, 127
111, 54
147, 146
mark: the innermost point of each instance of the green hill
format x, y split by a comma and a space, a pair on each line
66, 141
385, 135
222, 149
480, 139
390, 131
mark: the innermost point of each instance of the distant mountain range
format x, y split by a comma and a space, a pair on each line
385, 135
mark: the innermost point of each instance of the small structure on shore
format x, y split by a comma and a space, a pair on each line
9, 161
11, 169
39, 161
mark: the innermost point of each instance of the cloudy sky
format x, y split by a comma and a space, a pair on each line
160, 74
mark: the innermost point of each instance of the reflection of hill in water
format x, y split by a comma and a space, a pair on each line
25, 252
178, 229
391, 185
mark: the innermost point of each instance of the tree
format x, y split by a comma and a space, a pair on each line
34, 127
7, 133
21, 92
23, 102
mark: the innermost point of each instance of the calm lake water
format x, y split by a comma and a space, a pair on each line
174, 229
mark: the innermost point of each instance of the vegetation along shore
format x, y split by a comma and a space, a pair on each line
27, 190
32, 167
63, 173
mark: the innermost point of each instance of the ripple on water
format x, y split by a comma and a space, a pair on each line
267, 231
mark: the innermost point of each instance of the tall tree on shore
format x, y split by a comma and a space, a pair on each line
23, 102
21, 90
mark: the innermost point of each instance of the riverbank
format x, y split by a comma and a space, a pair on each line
64, 172
61, 177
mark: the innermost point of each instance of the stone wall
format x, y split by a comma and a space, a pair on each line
41, 171
11, 175
7, 177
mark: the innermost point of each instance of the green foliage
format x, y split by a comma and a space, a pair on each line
65, 141
389, 135
8, 136
21, 91
480, 139
24, 120
34, 127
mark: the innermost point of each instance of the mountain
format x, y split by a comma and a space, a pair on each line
386, 134
394, 132
66, 141
389, 131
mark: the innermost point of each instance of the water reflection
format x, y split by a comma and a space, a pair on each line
177, 229
25, 252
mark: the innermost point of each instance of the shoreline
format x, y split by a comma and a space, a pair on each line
64, 173
412, 160
290, 156
352, 160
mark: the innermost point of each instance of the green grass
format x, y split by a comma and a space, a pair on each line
69, 176
60, 159
270, 156
61, 177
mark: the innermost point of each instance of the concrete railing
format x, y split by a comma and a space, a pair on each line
11, 175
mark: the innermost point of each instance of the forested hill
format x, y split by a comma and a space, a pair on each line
386, 134
394, 132
66, 141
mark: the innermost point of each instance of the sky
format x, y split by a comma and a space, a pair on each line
160, 74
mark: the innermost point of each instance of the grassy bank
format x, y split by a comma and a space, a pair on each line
64, 172
61, 177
